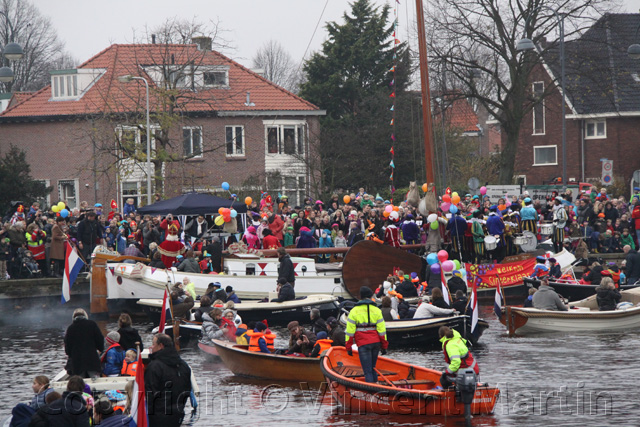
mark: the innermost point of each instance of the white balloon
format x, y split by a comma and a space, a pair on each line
432, 218
393, 215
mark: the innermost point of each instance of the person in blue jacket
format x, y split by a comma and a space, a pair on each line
495, 227
113, 357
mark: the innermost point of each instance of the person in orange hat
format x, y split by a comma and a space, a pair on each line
171, 247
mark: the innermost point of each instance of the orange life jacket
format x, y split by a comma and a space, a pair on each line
254, 338
325, 344
129, 368
616, 277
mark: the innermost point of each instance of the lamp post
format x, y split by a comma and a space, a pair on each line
126, 79
527, 44
11, 52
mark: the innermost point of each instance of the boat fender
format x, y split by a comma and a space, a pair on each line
624, 305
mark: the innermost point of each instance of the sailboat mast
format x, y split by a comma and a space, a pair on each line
426, 95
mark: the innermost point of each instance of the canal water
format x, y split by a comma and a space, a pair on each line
580, 379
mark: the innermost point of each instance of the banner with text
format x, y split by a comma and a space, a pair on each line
509, 274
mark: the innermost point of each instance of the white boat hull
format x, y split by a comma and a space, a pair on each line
583, 322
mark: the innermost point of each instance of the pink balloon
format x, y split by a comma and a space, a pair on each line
388, 208
483, 190
448, 266
445, 206
443, 256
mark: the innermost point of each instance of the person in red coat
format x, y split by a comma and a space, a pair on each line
392, 235
276, 225
167, 222
269, 241
171, 247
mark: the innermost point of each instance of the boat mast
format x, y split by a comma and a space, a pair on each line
426, 95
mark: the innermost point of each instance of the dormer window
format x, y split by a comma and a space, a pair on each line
216, 78
71, 84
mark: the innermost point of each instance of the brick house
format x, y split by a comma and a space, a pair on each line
212, 118
602, 109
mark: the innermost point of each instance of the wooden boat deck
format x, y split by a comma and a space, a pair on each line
353, 371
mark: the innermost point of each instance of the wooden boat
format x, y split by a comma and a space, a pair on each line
208, 349
245, 363
401, 389
420, 333
571, 291
583, 315
276, 313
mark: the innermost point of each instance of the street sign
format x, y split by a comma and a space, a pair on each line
607, 172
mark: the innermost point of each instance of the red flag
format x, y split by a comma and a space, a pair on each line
163, 314
138, 404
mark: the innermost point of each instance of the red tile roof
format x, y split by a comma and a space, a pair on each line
110, 95
461, 116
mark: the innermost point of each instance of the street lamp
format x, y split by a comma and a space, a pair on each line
11, 52
525, 44
125, 79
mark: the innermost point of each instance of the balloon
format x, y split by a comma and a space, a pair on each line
446, 198
385, 214
220, 210
443, 256
455, 199
432, 218
432, 258
219, 220
248, 201
425, 187
61, 206
483, 190
227, 218
396, 208
445, 207
457, 263
388, 208
225, 186
64, 213
346, 199
453, 209
435, 268
454, 194
55, 208
233, 213
394, 215
448, 266
502, 207
434, 225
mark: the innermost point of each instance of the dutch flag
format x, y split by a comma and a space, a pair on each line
138, 407
445, 288
72, 266
499, 300
473, 304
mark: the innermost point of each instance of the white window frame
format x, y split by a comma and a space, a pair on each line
217, 69
71, 202
555, 147
299, 129
595, 123
296, 195
191, 128
234, 129
139, 142
64, 86
533, 112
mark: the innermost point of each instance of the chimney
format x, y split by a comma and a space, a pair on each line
153, 39
249, 103
203, 42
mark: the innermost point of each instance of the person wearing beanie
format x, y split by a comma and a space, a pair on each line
259, 341
301, 340
336, 332
285, 291
241, 335
113, 357
366, 327
83, 342
322, 344
554, 269
231, 295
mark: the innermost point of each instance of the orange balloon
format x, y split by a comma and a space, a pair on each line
220, 210
446, 198
455, 199
385, 214
248, 201
396, 208
425, 187
346, 199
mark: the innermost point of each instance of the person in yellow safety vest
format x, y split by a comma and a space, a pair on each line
258, 339
322, 344
456, 354
241, 335
365, 326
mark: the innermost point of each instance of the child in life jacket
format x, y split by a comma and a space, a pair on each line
113, 357
540, 268
322, 344
130, 364
241, 335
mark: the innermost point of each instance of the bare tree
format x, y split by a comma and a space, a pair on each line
278, 66
43, 50
476, 41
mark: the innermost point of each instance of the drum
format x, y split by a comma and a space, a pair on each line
546, 228
520, 240
490, 243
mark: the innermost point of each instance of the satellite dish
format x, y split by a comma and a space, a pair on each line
473, 184
531, 242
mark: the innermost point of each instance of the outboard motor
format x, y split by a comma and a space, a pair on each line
466, 381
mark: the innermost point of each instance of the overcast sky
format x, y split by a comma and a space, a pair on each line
89, 26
